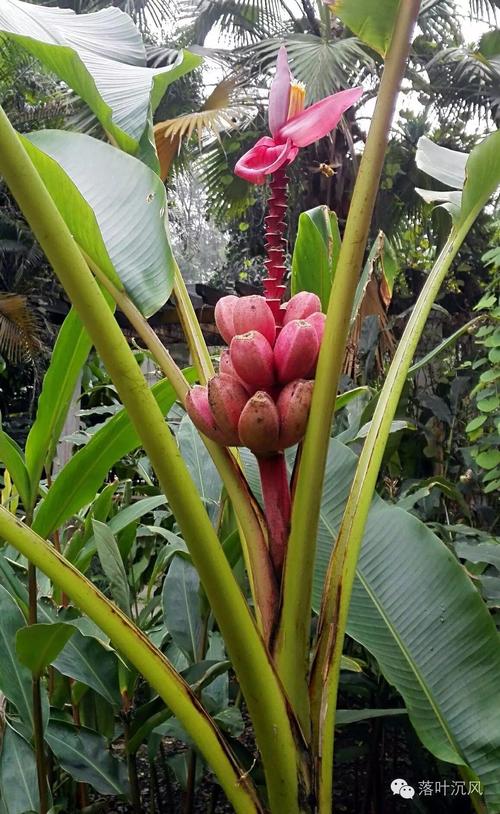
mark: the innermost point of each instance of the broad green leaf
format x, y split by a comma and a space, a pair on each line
181, 607
100, 56
68, 357
476, 423
112, 565
351, 665
38, 645
83, 753
441, 163
115, 208
481, 552
199, 463
18, 777
231, 721
46, 611
77, 484
15, 678
376, 257
477, 174
316, 253
11, 456
69, 615
417, 612
390, 269
354, 716
488, 459
372, 22
85, 659
482, 177
174, 545
344, 398
10, 581
216, 696
150, 715
120, 521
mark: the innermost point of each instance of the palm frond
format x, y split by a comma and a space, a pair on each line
439, 22
465, 82
19, 332
244, 21
31, 96
487, 9
324, 66
228, 197
217, 114
221, 112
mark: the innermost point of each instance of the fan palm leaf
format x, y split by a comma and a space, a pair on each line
324, 66
19, 333
245, 21
465, 81
221, 112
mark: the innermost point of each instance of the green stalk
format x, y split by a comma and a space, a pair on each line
139, 322
342, 567
135, 645
292, 645
252, 525
192, 330
38, 739
264, 695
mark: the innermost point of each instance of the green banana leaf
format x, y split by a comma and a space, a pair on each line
372, 22
101, 56
83, 753
11, 456
18, 778
415, 609
82, 476
114, 206
68, 357
316, 253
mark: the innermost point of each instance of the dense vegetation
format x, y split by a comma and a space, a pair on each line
163, 682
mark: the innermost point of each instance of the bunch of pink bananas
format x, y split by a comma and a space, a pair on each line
261, 397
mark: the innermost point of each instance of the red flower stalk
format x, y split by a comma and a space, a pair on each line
277, 505
292, 127
262, 395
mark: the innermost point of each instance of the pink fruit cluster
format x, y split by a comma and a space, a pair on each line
261, 397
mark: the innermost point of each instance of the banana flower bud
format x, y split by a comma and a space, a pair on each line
201, 415
252, 358
258, 426
224, 316
295, 351
252, 313
301, 306
227, 398
293, 406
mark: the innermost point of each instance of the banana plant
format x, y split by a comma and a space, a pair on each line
297, 507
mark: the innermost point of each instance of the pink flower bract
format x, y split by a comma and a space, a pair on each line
289, 134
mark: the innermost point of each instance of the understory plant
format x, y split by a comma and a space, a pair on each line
293, 548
